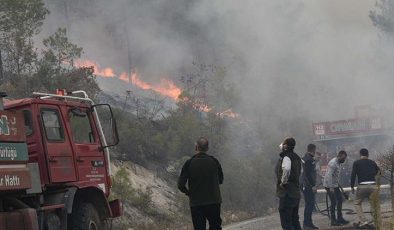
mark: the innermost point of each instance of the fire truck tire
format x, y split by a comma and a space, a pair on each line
86, 217
52, 222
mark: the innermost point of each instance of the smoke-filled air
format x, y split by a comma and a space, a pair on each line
286, 59
242, 74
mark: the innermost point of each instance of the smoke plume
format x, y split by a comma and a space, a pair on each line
306, 59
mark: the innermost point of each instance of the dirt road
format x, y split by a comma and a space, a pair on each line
272, 222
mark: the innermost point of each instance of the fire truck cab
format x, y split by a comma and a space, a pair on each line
55, 164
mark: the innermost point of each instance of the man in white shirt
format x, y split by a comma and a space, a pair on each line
331, 183
288, 170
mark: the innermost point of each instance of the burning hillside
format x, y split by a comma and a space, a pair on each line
166, 87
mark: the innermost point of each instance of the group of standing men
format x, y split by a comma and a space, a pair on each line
203, 174
290, 183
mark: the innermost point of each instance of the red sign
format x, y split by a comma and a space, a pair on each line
344, 127
14, 178
12, 126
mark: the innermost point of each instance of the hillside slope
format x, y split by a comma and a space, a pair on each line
166, 208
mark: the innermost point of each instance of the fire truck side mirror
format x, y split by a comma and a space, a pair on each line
106, 123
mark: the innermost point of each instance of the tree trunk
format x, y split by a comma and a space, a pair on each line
392, 185
391, 160
1, 68
375, 205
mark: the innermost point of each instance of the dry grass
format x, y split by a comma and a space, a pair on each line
388, 224
375, 205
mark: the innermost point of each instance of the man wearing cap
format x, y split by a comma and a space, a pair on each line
203, 174
288, 170
365, 170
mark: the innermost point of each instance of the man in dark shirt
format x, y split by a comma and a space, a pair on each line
203, 174
365, 170
309, 185
288, 171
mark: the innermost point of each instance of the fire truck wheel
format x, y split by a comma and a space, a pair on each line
86, 217
52, 222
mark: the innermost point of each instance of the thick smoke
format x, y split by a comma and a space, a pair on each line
308, 59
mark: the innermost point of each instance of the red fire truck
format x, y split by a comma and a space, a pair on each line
55, 164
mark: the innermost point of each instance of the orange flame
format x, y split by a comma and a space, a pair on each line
106, 72
165, 88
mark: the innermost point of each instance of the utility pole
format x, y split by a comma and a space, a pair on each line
129, 61
66, 15
128, 92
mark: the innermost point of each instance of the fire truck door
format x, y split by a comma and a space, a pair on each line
89, 156
59, 153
